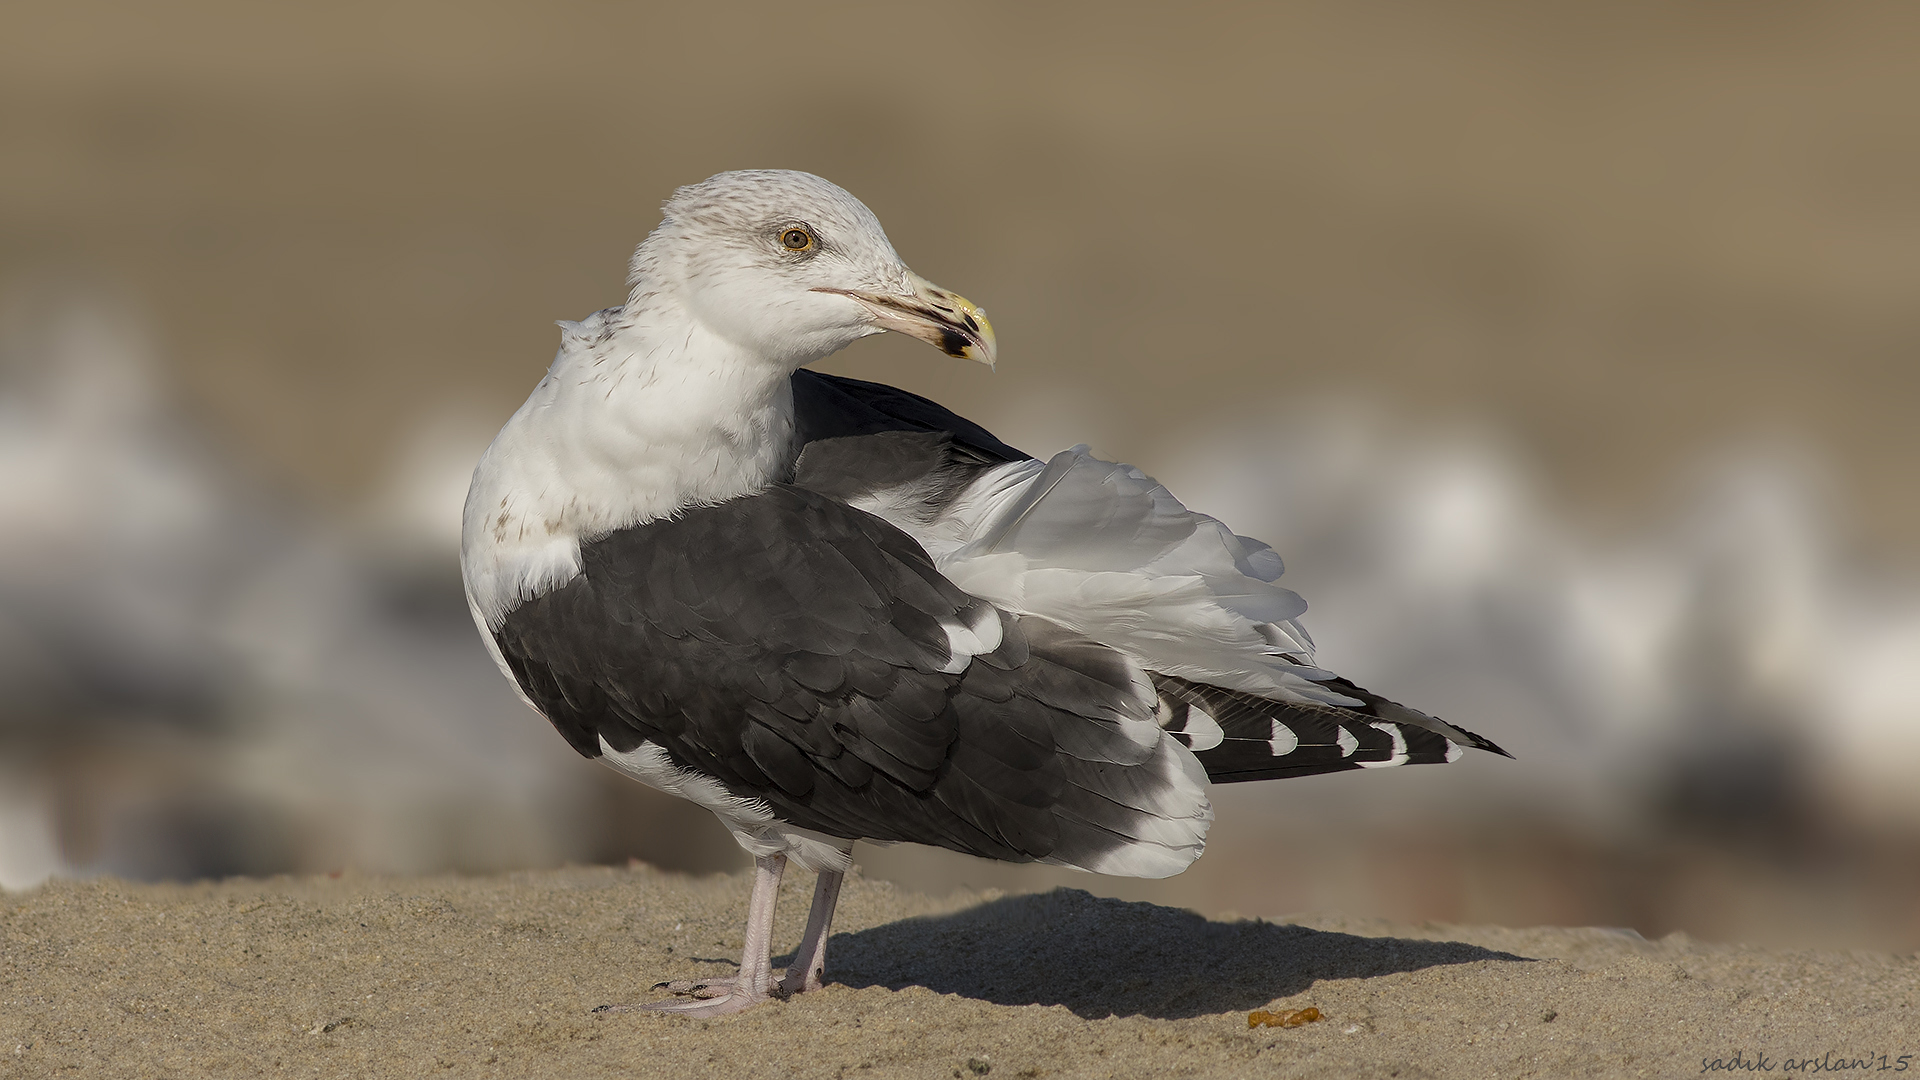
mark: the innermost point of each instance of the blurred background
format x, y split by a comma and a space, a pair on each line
1570, 355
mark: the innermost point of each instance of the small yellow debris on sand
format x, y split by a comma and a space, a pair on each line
1284, 1018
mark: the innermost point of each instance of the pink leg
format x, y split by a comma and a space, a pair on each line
810, 960
754, 984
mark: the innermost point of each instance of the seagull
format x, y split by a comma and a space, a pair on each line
831, 610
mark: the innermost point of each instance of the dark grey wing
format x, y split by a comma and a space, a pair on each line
887, 451
803, 653
907, 477
832, 407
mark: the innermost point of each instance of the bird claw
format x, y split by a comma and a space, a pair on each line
699, 988
723, 1001
715, 997
699, 998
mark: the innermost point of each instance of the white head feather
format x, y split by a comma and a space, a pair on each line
718, 258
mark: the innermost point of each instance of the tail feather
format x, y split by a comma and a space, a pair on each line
1238, 736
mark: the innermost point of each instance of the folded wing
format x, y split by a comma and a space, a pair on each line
1106, 551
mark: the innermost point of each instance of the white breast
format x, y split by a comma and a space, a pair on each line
628, 426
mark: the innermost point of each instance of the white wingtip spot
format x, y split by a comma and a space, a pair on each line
1455, 751
1348, 744
1399, 748
1284, 741
1203, 731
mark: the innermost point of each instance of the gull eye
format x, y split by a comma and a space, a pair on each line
796, 238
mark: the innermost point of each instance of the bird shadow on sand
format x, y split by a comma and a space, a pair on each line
1102, 957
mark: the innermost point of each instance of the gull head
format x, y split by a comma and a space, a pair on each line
793, 268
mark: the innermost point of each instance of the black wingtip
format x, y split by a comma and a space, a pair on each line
1388, 709
1481, 742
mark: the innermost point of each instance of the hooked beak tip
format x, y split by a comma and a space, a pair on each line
946, 320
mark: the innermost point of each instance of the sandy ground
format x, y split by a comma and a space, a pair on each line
358, 976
